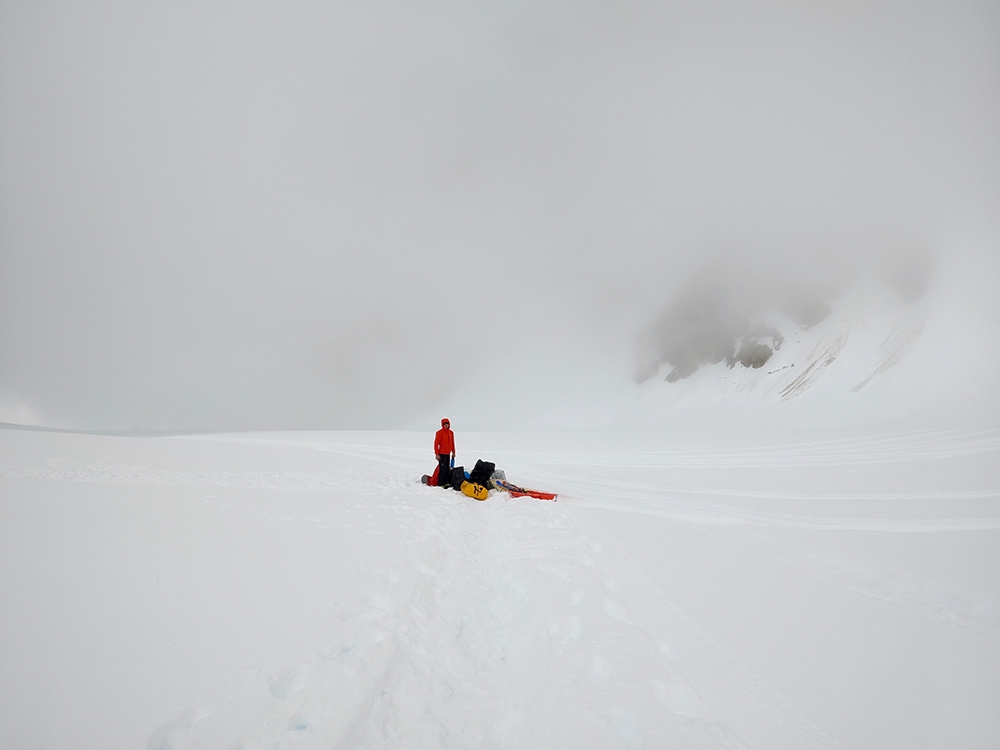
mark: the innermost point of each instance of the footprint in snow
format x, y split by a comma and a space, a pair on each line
561, 632
627, 724
616, 610
171, 735
667, 652
600, 669
289, 682
679, 698
382, 603
303, 722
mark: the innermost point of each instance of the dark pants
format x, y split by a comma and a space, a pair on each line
444, 470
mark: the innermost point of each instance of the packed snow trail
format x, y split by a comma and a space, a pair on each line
304, 590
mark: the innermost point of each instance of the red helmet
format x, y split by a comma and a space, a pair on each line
445, 423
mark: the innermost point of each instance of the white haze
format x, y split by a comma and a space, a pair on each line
233, 215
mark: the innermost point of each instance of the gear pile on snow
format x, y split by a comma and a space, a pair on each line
485, 476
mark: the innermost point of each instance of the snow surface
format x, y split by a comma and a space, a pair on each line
304, 590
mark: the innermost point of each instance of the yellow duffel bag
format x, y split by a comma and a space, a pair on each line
476, 491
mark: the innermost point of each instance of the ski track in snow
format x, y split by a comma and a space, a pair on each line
909, 594
727, 508
532, 617
482, 604
674, 507
904, 447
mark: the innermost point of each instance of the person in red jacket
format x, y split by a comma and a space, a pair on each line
444, 450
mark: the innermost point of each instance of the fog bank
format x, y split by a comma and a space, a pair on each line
225, 216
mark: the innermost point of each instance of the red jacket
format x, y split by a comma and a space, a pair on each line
444, 441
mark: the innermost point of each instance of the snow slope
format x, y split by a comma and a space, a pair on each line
304, 590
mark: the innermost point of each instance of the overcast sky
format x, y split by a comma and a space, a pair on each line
324, 214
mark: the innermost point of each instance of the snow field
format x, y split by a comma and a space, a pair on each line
303, 590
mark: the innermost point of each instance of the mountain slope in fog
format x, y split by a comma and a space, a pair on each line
873, 357
878, 350
784, 353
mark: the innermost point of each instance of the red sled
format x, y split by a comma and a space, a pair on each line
533, 493
516, 491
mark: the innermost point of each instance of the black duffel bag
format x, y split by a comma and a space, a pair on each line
482, 472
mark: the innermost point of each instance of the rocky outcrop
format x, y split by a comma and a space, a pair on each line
705, 328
